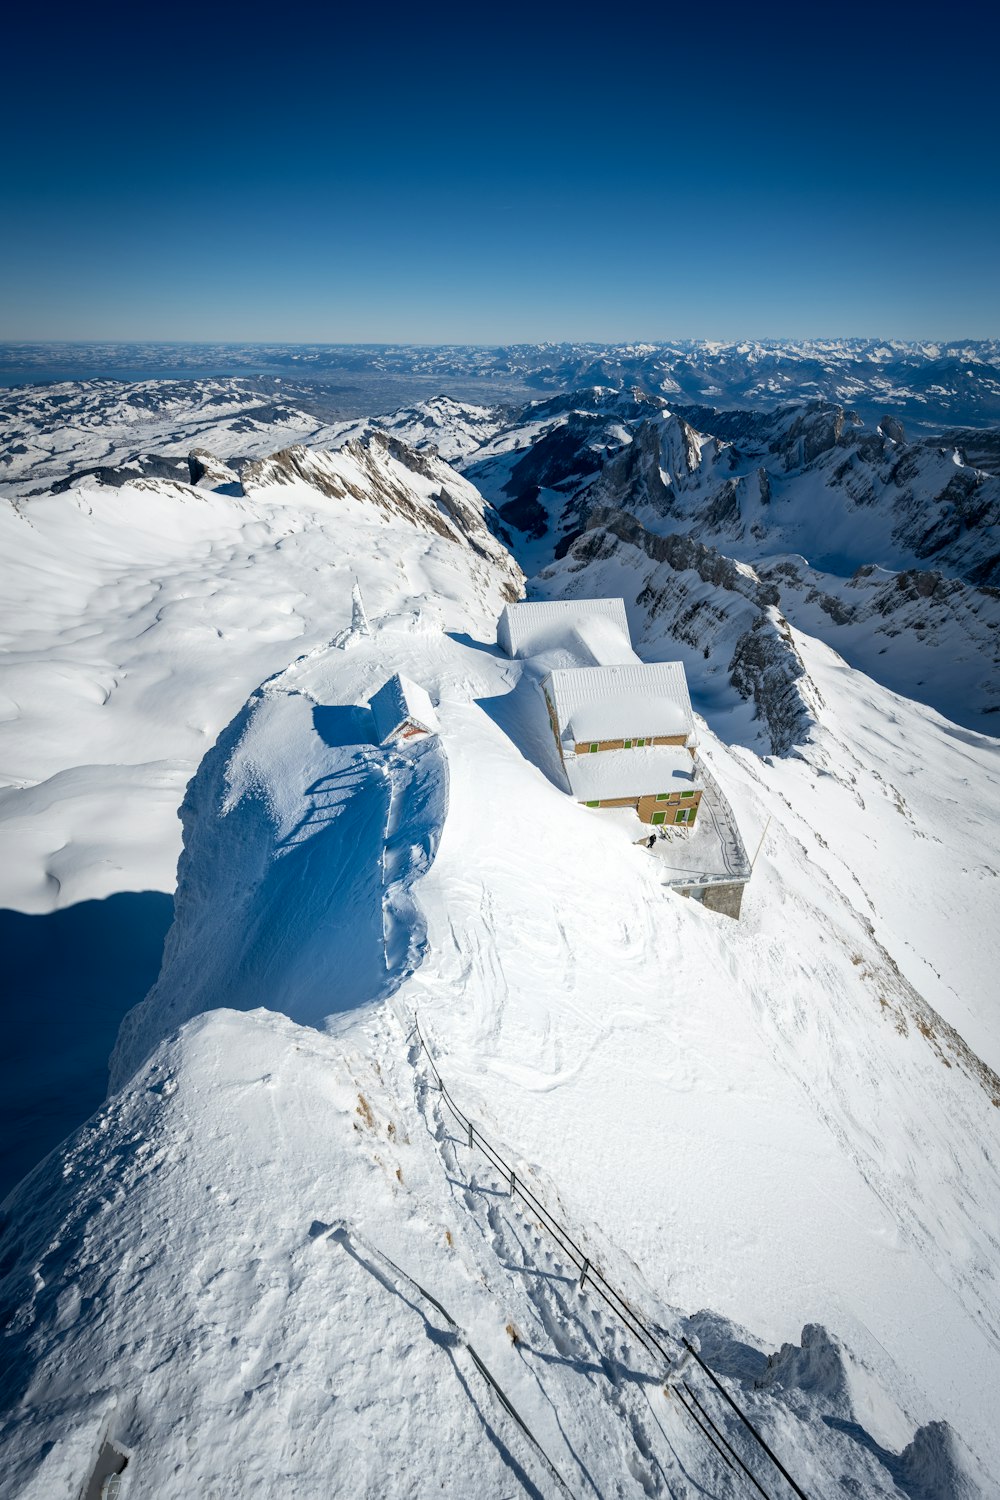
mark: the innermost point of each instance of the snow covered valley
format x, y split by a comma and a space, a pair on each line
269, 1264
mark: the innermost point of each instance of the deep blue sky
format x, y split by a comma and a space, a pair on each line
500, 174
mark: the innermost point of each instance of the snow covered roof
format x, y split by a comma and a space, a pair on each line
600, 625
597, 641
621, 702
398, 702
631, 773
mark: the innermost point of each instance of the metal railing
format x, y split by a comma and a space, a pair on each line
591, 1276
734, 850
715, 805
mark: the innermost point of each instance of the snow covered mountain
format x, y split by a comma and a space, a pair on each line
271, 1262
928, 384
115, 431
887, 550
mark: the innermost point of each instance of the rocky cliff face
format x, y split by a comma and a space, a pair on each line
888, 550
814, 468
723, 618
380, 470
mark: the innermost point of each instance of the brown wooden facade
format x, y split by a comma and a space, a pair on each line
591, 747
657, 808
667, 808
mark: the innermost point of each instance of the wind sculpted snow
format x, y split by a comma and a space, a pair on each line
301, 836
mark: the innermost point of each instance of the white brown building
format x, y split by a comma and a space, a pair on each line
626, 737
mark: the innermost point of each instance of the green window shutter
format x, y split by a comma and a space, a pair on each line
593, 804
658, 817
640, 742
593, 748
662, 796
628, 744
687, 794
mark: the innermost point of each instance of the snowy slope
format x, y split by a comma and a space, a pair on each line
136, 620
746, 1183
260, 1262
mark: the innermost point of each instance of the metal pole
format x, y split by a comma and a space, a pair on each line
470, 1135
513, 1182
583, 1272
760, 845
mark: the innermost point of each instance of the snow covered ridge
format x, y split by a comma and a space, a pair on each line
250, 1303
806, 479
369, 469
309, 1180
115, 432
310, 1185
283, 843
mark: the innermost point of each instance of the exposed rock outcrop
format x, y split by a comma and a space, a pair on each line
712, 604
379, 469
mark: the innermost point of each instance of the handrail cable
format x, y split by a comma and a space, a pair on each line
695, 1418
724, 1440
595, 1277
486, 1373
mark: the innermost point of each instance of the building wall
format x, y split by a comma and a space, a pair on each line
726, 899
674, 804
647, 806
555, 726
582, 747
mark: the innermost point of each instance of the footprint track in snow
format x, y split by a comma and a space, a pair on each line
511, 1252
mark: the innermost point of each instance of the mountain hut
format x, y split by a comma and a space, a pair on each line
402, 712
626, 738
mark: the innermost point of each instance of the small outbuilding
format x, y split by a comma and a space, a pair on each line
402, 711
591, 630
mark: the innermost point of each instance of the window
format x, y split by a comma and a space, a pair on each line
628, 744
593, 748
593, 804
639, 743
684, 815
658, 817
687, 794
662, 796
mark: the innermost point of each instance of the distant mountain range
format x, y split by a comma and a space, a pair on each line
927, 384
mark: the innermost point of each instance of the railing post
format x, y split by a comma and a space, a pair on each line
583, 1271
513, 1182
470, 1135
